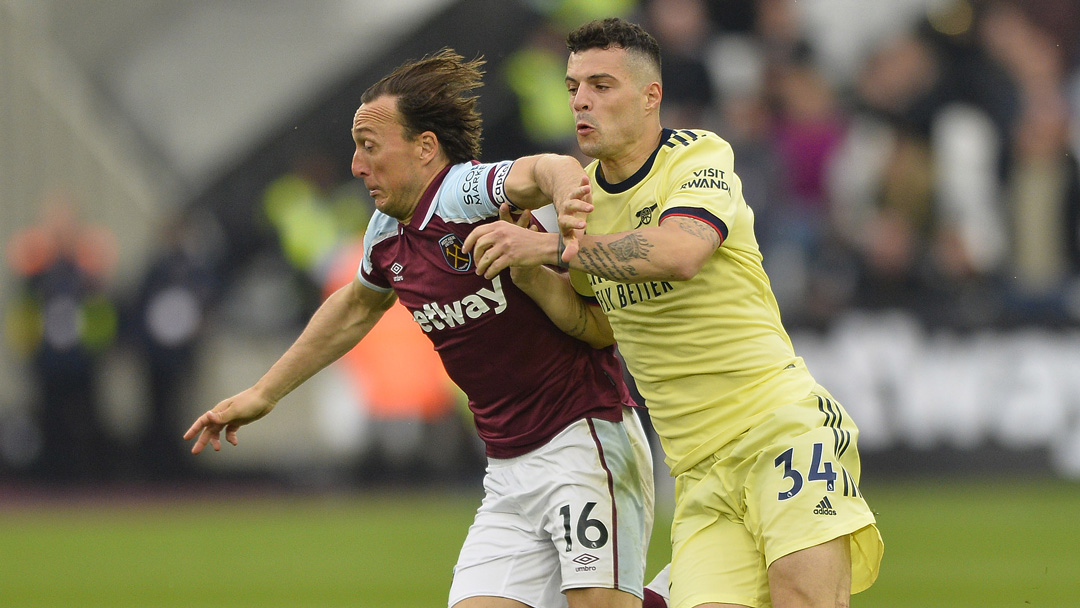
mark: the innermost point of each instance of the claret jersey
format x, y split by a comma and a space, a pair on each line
526, 380
710, 354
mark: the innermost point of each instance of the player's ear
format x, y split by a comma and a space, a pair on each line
653, 94
427, 146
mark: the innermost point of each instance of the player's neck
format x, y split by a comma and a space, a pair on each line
428, 172
620, 167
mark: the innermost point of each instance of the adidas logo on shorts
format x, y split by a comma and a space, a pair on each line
824, 507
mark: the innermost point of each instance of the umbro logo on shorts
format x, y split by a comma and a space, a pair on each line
585, 559
824, 507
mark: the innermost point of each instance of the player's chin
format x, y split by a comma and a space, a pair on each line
384, 206
588, 145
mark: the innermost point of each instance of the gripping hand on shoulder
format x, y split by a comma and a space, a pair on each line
229, 415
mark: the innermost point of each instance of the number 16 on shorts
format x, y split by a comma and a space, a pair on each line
588, 532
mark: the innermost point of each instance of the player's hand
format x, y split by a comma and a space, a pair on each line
497, 246
521, 275
523, 220
572, 212
229, 415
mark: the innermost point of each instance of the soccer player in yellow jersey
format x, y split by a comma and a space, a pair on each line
768, 509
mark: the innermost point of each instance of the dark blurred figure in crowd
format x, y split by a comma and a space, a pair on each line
882, 185
170, 317
918, 182
808, 128
62, 318
1032, 41
683, 29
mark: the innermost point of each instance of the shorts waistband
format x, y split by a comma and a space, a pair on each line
552, 443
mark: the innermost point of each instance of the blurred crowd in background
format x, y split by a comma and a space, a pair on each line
930, 169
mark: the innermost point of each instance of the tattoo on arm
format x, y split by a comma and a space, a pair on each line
582, 322
630, 247
611, 260
697, 229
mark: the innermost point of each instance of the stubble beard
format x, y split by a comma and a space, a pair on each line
591, 146
388, 207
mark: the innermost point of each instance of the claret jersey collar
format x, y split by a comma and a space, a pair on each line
426, 207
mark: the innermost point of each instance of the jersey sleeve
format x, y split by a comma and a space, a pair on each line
473, 192
700, 182
368, 274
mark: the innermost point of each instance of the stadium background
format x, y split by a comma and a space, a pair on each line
912, 165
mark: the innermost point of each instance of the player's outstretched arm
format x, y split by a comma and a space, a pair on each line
535, 181
342, 321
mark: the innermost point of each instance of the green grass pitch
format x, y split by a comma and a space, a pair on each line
948, 544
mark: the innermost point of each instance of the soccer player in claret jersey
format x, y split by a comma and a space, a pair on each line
567, 510
767, 506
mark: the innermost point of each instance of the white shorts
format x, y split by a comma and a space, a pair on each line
575, 513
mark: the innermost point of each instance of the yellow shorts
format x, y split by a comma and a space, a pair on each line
789, 483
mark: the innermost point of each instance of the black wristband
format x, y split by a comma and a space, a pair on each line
558, 256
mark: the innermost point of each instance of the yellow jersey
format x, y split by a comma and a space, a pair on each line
709, 355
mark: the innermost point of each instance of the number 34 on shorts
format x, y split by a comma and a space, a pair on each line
819, 470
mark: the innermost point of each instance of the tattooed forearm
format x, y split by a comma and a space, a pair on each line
698, 229
656, 253
598, 260
610, 260
631, 247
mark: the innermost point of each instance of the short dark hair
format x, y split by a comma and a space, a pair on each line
613, 31
432, 96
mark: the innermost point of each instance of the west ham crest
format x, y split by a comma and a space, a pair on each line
451, 250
